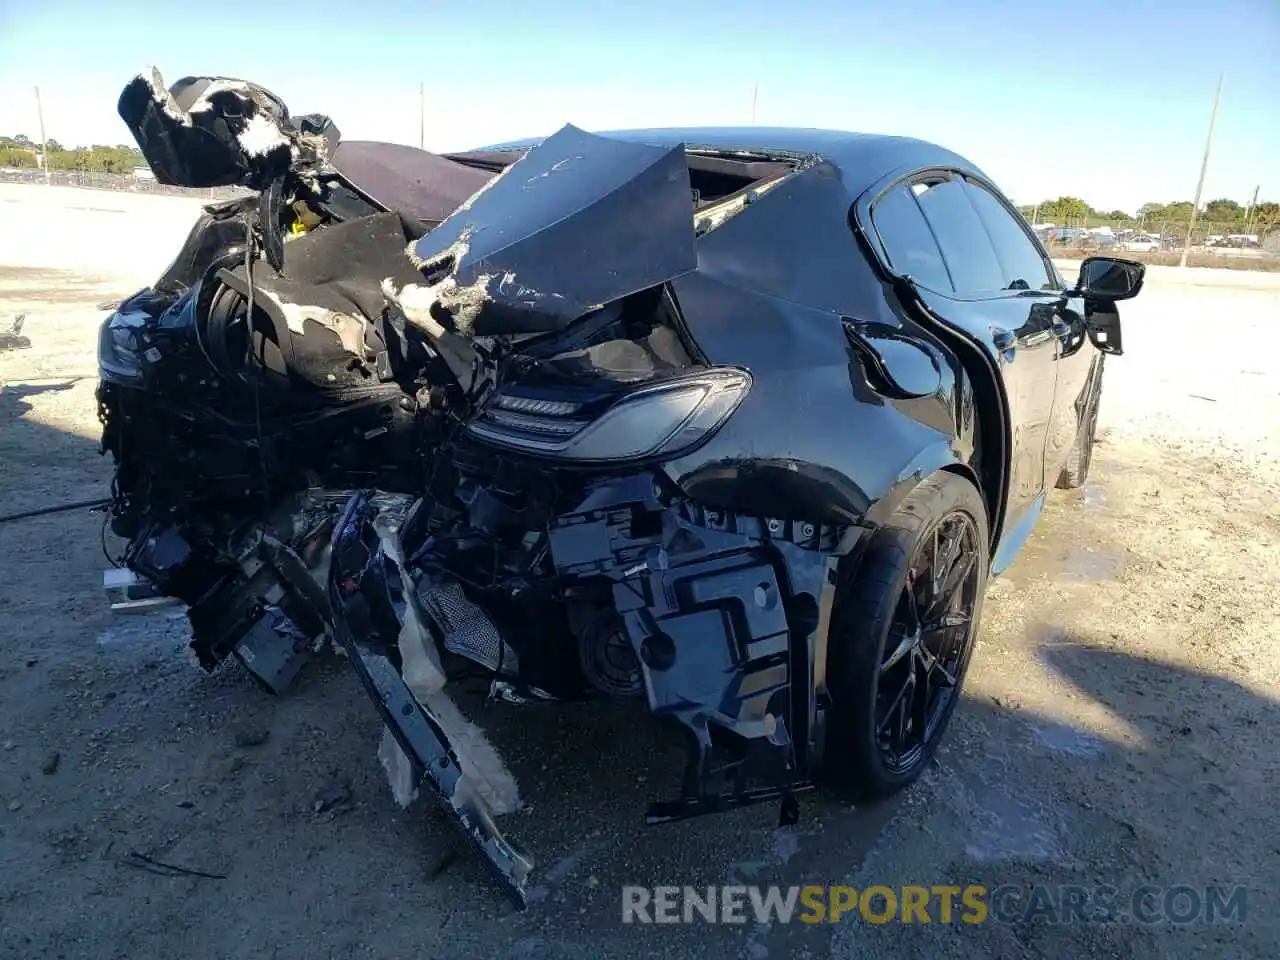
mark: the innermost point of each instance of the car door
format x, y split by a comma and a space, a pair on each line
932, 232
1023, 259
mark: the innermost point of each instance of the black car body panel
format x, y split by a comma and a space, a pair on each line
512, 257
650, 393
424, 186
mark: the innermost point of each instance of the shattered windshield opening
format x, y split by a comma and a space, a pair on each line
715, 177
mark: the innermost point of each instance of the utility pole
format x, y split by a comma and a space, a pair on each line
1035, 215
422, 116
1204, 165
1248, 211
44, 144
755, 101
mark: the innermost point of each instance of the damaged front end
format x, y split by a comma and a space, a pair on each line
259, 381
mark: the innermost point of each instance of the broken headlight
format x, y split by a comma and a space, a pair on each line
120, 347
662, 420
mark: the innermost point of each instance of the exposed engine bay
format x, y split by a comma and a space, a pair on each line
426, 409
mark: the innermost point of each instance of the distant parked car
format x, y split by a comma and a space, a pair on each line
1066, 235
1141, 244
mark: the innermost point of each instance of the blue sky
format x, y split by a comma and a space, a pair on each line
1104, 99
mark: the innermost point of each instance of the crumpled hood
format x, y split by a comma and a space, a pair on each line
579, 221
217, 132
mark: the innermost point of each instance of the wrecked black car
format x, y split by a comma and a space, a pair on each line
733, 422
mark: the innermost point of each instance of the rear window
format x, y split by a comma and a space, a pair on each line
1020, 261
908, 243
965, 244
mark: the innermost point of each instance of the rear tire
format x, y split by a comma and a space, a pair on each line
1076, 470
887, 640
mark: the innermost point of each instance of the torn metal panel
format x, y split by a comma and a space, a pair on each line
216, 131
579, 221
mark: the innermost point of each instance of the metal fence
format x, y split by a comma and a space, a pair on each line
115, 181
1208, 237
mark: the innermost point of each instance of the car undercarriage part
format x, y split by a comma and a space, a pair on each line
130, 593
722, 613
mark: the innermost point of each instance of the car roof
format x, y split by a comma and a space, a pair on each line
863, 158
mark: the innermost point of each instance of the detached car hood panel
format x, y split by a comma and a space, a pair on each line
579, 221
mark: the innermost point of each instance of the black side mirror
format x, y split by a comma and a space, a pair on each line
1109, 279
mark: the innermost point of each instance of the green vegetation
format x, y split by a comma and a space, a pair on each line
22, 152
1225, 216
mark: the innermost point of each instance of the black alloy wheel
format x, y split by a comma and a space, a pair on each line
928, 641
905, 621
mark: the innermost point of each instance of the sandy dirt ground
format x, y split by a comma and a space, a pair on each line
1119, 724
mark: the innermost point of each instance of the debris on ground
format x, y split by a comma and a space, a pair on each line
251, 736
142, 862
333, 797
10, 339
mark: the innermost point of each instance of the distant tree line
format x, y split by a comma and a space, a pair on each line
1223, 214
21, 151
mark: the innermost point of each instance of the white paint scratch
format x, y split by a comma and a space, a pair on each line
260, 136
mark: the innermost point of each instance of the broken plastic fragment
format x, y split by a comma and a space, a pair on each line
424, 676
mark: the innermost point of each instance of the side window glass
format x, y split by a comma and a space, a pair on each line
966, 248
1020, 262
907, 241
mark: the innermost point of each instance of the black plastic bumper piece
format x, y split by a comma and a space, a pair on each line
725, 614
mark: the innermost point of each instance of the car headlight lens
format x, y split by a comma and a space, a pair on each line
661, 420
118, 347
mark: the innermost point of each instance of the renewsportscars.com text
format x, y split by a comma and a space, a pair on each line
937, 903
